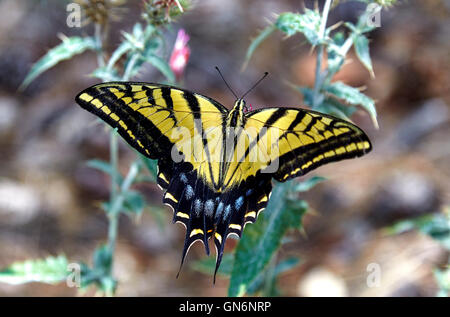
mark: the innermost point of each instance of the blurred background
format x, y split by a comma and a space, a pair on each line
49, 198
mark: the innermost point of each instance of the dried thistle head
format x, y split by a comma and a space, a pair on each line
100, 11
158, 12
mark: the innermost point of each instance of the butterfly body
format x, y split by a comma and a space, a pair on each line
216, 165
236, 117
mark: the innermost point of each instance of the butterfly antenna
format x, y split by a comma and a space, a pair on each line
256, 84
226, 82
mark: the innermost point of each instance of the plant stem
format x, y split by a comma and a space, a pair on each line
116, 200
117, 197
99, 41
113, 215
113, 156
342, 53
112, 235
269, 279
319, 76
129, 67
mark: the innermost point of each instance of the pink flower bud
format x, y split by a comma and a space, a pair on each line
180, 54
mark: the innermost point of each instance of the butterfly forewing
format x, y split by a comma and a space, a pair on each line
302, 140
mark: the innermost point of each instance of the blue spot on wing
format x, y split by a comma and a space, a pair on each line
239, 202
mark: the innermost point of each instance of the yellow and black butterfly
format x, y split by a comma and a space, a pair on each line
216, 166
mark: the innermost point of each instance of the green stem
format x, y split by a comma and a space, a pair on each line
99, 42
342, 53
270, 277
129, 68
112, 234
116, 197
113, 215
113, 156
117, 200
319, 76
343, 50
317, 81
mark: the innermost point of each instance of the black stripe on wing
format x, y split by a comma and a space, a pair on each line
135, 128
325, 144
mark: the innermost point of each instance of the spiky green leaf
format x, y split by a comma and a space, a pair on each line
50, 270
308, 183
106, 168
361, 44
307, 23
263, 35
69, 47
353, 96
161, 65
261, 239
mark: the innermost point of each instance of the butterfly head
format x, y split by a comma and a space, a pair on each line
241, 105
244, 106
236, 115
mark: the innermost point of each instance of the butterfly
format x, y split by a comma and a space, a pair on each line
216, 165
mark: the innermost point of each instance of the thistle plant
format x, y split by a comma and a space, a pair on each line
145, 44
255, 265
